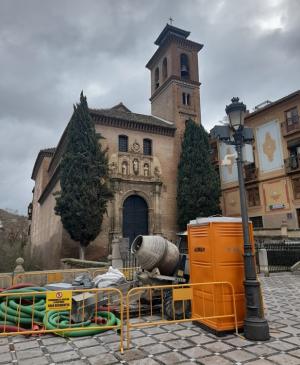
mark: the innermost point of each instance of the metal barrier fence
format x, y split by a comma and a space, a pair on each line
169, 304
129, 259
71, 313
42, 278
5, 280
281, 255
66, 313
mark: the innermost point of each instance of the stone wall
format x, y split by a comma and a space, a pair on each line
46, 231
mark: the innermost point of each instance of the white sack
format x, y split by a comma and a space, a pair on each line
113, 277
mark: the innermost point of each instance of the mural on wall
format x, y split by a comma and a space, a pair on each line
269, 147
228, 163
276, 195
232, 202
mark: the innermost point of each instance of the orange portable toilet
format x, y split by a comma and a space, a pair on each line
216, 249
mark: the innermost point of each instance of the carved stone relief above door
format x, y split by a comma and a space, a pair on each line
135, 166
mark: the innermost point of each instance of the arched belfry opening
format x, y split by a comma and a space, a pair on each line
135, 217
184, 66
165, 69
156, 77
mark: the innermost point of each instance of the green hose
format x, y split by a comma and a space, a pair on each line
52, 322
18, 298
62, 320
39, 310
13, 312
9, 314
27, 290
7, 323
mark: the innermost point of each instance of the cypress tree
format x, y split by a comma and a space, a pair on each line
85, 192
198, 185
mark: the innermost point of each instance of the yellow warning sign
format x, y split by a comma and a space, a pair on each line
182, 294
59, 300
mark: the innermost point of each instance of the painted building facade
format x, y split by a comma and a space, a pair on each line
273, 178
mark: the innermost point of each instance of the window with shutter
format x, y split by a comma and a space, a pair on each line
147, 147
291, 116
253, 197
123, 143
296, 187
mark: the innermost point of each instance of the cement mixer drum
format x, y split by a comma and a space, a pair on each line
156, 251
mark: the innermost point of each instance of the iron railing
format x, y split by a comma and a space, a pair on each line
282, 255
251, 172
292, 163
291, 124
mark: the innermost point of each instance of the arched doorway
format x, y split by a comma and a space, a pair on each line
135, 217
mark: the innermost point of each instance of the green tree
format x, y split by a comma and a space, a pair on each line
85, 191
198, 185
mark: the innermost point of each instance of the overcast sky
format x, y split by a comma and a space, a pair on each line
51, 50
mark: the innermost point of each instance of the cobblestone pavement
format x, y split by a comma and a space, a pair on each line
176, 343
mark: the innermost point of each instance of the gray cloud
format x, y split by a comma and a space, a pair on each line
50, 51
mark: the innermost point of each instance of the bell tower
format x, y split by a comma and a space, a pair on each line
175, 94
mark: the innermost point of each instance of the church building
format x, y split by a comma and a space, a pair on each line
143, 153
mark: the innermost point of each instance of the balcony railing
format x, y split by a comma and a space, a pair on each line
292, 163
251, 172
291, 124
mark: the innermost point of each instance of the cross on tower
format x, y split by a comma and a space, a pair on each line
171, 20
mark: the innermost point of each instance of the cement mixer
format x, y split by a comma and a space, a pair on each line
161, 263
156, 252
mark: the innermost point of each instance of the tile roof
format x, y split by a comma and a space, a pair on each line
46, 152
50, 150
170, 29
120, 111
276, 102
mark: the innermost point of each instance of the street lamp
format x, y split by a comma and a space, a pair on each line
236, 113
255, 325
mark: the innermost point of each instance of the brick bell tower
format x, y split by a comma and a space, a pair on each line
175, 94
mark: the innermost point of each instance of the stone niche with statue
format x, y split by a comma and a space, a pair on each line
134, 165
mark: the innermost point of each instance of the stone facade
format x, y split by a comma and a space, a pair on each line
273, 179
143, 156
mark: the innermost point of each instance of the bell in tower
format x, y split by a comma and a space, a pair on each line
184, 66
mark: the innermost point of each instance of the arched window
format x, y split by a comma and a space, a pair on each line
156, 77
165, 68
123, 143
184, 66
188, 99
147, 147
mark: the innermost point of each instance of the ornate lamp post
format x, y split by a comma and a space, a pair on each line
255, 325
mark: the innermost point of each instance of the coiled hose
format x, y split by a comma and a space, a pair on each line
26, 310
61, 320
